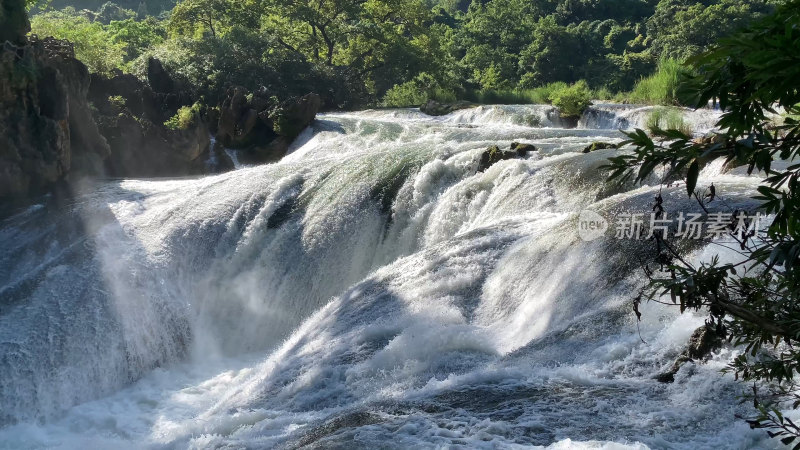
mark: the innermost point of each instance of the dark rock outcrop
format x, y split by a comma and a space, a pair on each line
58, 123
132, 114
434, 108
242, 123
14, 24
494, 155
704, 341
523, 149
158, 78
599, 146
142, 148
261, 126
47, 127
293, 115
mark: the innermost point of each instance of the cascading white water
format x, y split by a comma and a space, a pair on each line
625, 117
370, 290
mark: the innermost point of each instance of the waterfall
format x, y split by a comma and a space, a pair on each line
371, 289
626, 117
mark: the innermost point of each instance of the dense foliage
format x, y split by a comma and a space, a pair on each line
753, 303
357, 52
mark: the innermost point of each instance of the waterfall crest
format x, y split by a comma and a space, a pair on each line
372, 287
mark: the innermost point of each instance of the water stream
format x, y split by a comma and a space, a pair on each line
372, 289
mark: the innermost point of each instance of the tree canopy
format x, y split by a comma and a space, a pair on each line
463, 45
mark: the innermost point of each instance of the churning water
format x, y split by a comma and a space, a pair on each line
373, 289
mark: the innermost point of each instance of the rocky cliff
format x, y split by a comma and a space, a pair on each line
132, 114
58, 123
46, 122
263, 127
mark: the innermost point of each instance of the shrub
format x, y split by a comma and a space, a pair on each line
405, 94
538, 95
117, 101
603, 93
416, 92
184, 118
572, 100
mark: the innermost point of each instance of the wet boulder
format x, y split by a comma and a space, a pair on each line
703, 342
260, 126
293, 115
599, 146
232, 128
252, 119
494, 155
523, 149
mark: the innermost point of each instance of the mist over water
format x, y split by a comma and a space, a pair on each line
373, 289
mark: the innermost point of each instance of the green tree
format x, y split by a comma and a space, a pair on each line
492, 36
680, 29
555, 54
382, 41
192, 17
754, 303
93, 44
137, 36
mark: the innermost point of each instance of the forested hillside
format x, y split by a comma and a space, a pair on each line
354, 52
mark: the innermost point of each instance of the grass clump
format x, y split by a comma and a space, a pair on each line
661, 88
668, 119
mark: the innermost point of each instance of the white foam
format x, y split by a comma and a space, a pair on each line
372, 287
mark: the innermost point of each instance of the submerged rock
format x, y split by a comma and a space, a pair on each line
494, 155
704, 341
710, 139
523, 149
599, 146
434, 108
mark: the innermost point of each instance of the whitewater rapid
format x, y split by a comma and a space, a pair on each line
371, 290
